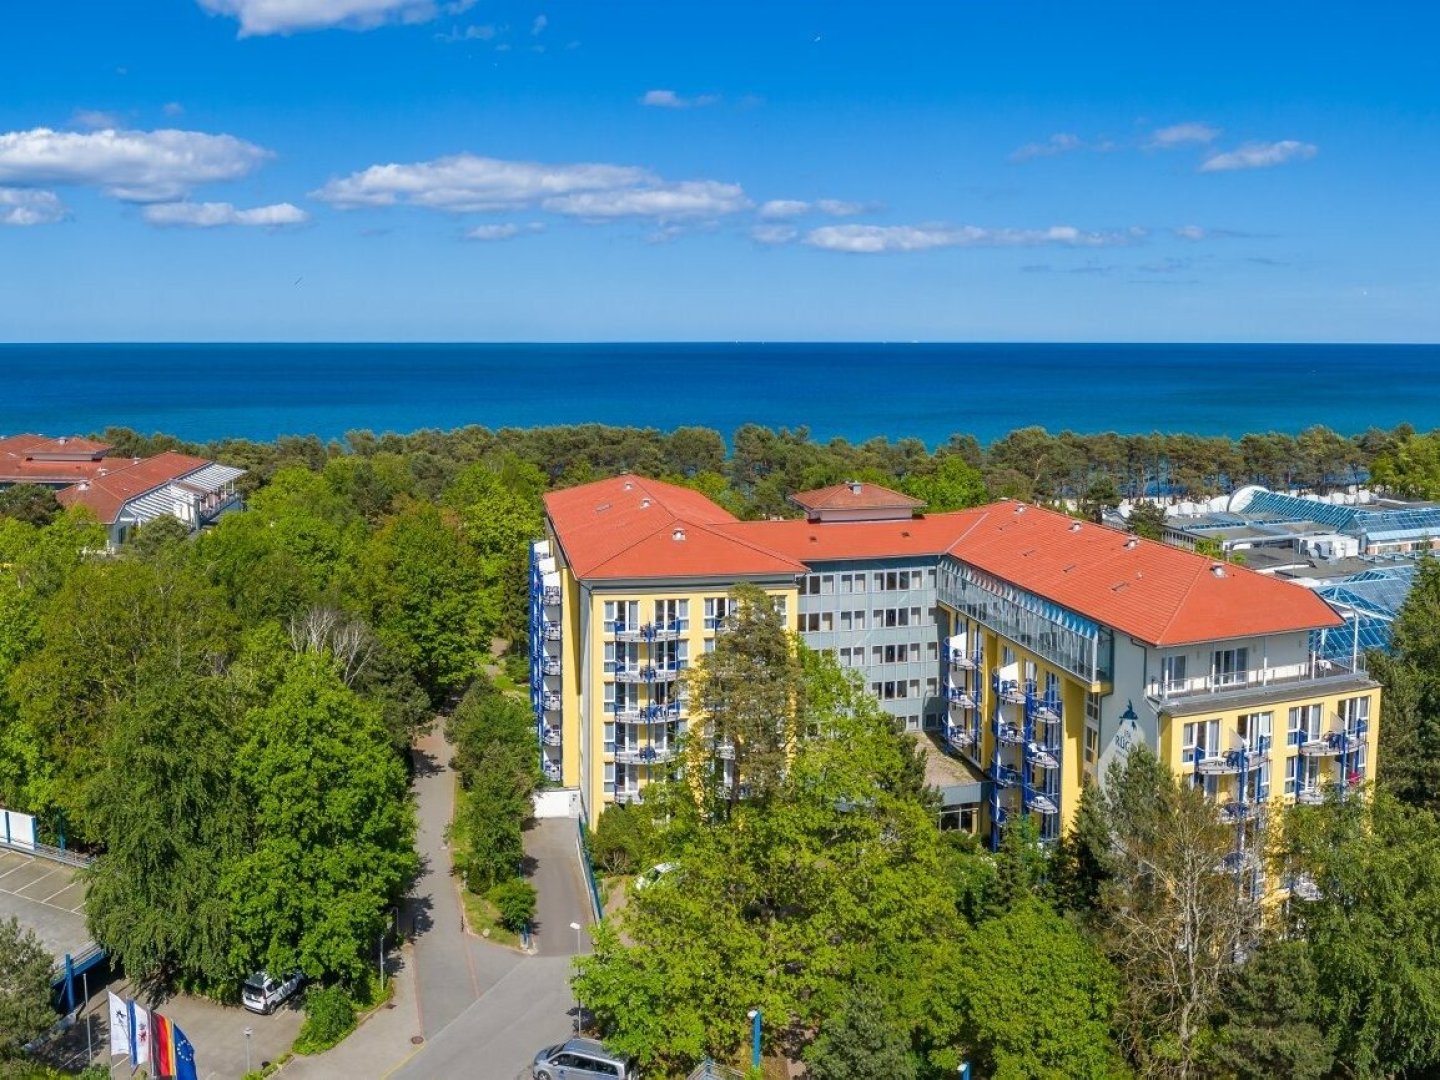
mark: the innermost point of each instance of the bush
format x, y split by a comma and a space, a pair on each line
329, 1017
624, 840
515, 901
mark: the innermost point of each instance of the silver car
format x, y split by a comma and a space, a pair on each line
581, 1059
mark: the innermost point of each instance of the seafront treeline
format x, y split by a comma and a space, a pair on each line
754, 472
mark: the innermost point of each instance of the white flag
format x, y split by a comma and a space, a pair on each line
140, 1026
119, 1026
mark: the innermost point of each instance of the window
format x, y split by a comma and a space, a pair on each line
914, 687
915, 617
1229, 666
932, 650
846, 620
1354, 712
1304, 724
930, 577
1092, 745
859, 620
1052, 686
847, 583
1256, 729
1007, 656
810, 585
609, 738
1200, 739
1029, 670
609, 697
782, 607
827, 584
1172, 673
1301, 773
672, 614
1262, 782
620, 614
932, 687
879, 582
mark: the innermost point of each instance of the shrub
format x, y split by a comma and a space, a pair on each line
515, 901
623, 841
329, 1017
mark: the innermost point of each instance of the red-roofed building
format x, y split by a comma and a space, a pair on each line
1034, 647
122, 493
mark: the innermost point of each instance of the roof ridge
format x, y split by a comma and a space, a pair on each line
634, 543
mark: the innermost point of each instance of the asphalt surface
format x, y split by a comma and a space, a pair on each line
48, 898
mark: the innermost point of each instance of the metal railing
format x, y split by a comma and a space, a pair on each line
53, 854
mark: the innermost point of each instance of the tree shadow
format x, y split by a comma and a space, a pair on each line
424, 763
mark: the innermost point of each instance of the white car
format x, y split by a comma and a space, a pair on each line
655, 873
263, 993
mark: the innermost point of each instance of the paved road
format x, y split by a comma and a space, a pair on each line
529, 1005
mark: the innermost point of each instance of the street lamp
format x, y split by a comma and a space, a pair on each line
577, 928
248, 1032
754, 1015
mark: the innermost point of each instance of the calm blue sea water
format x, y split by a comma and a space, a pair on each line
929, 391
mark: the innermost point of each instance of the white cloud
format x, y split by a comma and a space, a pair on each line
467, 183
23, 206
783, 208
669, 99
538, 26
1181, 134
95, 118
1060, 143
878, 239
1190, 232
478, 32
211, 215
138, 166
774, 234
665, 201
502, 232
260, 17
780, 209
1259, 155
173, 108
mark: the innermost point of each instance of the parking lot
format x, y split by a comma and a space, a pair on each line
48, 898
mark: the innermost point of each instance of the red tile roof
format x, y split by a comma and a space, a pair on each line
623, 528
32, 459
1149, 590
854, 496
634, 527
106, 493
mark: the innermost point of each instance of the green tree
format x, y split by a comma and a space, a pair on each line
29, 503
158, 540
1268, 1023
953, 484
838, 880
1038, 998
1409, 763
1410, 467
1147, 519
1172, 921
166, 807
25, 966
860, 1043
624, 840
747, 693
1374, 931
421, 584
1100, 496
332, 829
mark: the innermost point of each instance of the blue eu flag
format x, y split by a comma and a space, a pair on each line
184, 1057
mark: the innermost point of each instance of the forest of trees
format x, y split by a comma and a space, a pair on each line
154, 706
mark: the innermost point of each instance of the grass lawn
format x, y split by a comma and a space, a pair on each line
481, 915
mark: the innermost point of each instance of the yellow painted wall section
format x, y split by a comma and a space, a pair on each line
694, 637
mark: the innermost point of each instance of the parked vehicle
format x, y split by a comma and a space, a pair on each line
581, 1059
648, 877
263, 993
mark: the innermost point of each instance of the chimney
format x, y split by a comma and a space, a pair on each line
1132, 542
1075, 526
1217, 569
678, 534
855, 487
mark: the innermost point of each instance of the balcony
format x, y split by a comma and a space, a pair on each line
552, 770
1046, 711
1303, 887
1042, 757
552, 594
551, 631
1010, 735
627, 796
959, 738
1237, 862
1328, 745
1040, 802
550, 667
1310, 795
963, 661
650, 673
1236, 689
550, 736
644, 755
1234, 812
1219, 764
1011, 693
958, 695
551, 701
1005, 776
725, 751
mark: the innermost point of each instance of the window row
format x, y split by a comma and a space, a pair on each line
878, 581
671, 614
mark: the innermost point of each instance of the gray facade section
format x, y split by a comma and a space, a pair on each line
871, 613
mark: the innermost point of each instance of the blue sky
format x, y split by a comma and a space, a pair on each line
483, 170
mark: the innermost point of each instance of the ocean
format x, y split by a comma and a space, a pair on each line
927, 391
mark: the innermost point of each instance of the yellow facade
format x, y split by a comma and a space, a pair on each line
600, 745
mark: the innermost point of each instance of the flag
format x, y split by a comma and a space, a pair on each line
119, 1025
162, 1050
184, 1057
139, 1034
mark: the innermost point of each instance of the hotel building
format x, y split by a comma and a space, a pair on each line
1029, 647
